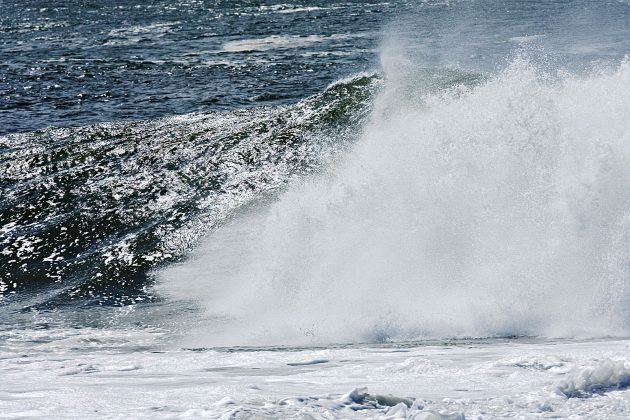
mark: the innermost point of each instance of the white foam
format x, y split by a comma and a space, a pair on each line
282, 41
102, 373
291, 8
605, 376
130, 35
500, 209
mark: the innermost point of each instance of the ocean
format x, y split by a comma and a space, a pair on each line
353, 209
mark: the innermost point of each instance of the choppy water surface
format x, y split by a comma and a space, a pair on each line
72, 63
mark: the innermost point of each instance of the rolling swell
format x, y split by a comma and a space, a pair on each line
88, 212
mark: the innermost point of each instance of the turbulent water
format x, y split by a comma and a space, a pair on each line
493, 210
355, 178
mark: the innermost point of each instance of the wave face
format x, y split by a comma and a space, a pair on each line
87, 213
469, 208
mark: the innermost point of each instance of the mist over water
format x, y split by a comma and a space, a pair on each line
469, 208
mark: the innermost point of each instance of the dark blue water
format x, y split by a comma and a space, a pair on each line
72, 63
171, 115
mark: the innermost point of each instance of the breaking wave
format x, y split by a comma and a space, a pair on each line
470, 207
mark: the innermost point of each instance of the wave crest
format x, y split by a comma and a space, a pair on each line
487, 208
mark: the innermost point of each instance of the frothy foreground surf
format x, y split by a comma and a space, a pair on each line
468, 208
101, 373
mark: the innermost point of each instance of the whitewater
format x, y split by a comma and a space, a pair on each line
441, 235
468, 208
